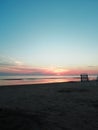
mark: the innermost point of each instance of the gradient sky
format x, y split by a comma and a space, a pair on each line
49, 36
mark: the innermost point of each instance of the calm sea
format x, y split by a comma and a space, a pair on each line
16, 80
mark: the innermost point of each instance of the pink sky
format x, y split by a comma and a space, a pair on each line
21, 69
12, 66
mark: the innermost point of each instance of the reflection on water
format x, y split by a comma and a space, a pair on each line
15, 80
38, 81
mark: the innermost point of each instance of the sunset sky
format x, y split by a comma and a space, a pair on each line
49, 37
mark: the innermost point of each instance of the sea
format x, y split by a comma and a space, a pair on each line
29, 79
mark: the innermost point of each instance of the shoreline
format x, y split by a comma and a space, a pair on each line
39, 80
38, 84
50, 83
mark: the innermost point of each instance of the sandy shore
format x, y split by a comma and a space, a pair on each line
56, 106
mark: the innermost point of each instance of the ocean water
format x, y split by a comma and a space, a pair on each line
16, 80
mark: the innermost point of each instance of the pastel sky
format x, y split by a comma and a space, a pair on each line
49, 37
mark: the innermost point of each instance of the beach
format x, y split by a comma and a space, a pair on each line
51, 106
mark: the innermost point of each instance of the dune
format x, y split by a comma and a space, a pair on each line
53, 106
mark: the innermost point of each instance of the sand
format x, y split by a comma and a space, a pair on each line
55, 106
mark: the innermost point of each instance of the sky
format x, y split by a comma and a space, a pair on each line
49, 37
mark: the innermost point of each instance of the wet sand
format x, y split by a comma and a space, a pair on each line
55, 106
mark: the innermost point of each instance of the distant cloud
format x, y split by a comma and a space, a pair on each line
26, 70
92, 66
9, 61
10, 66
